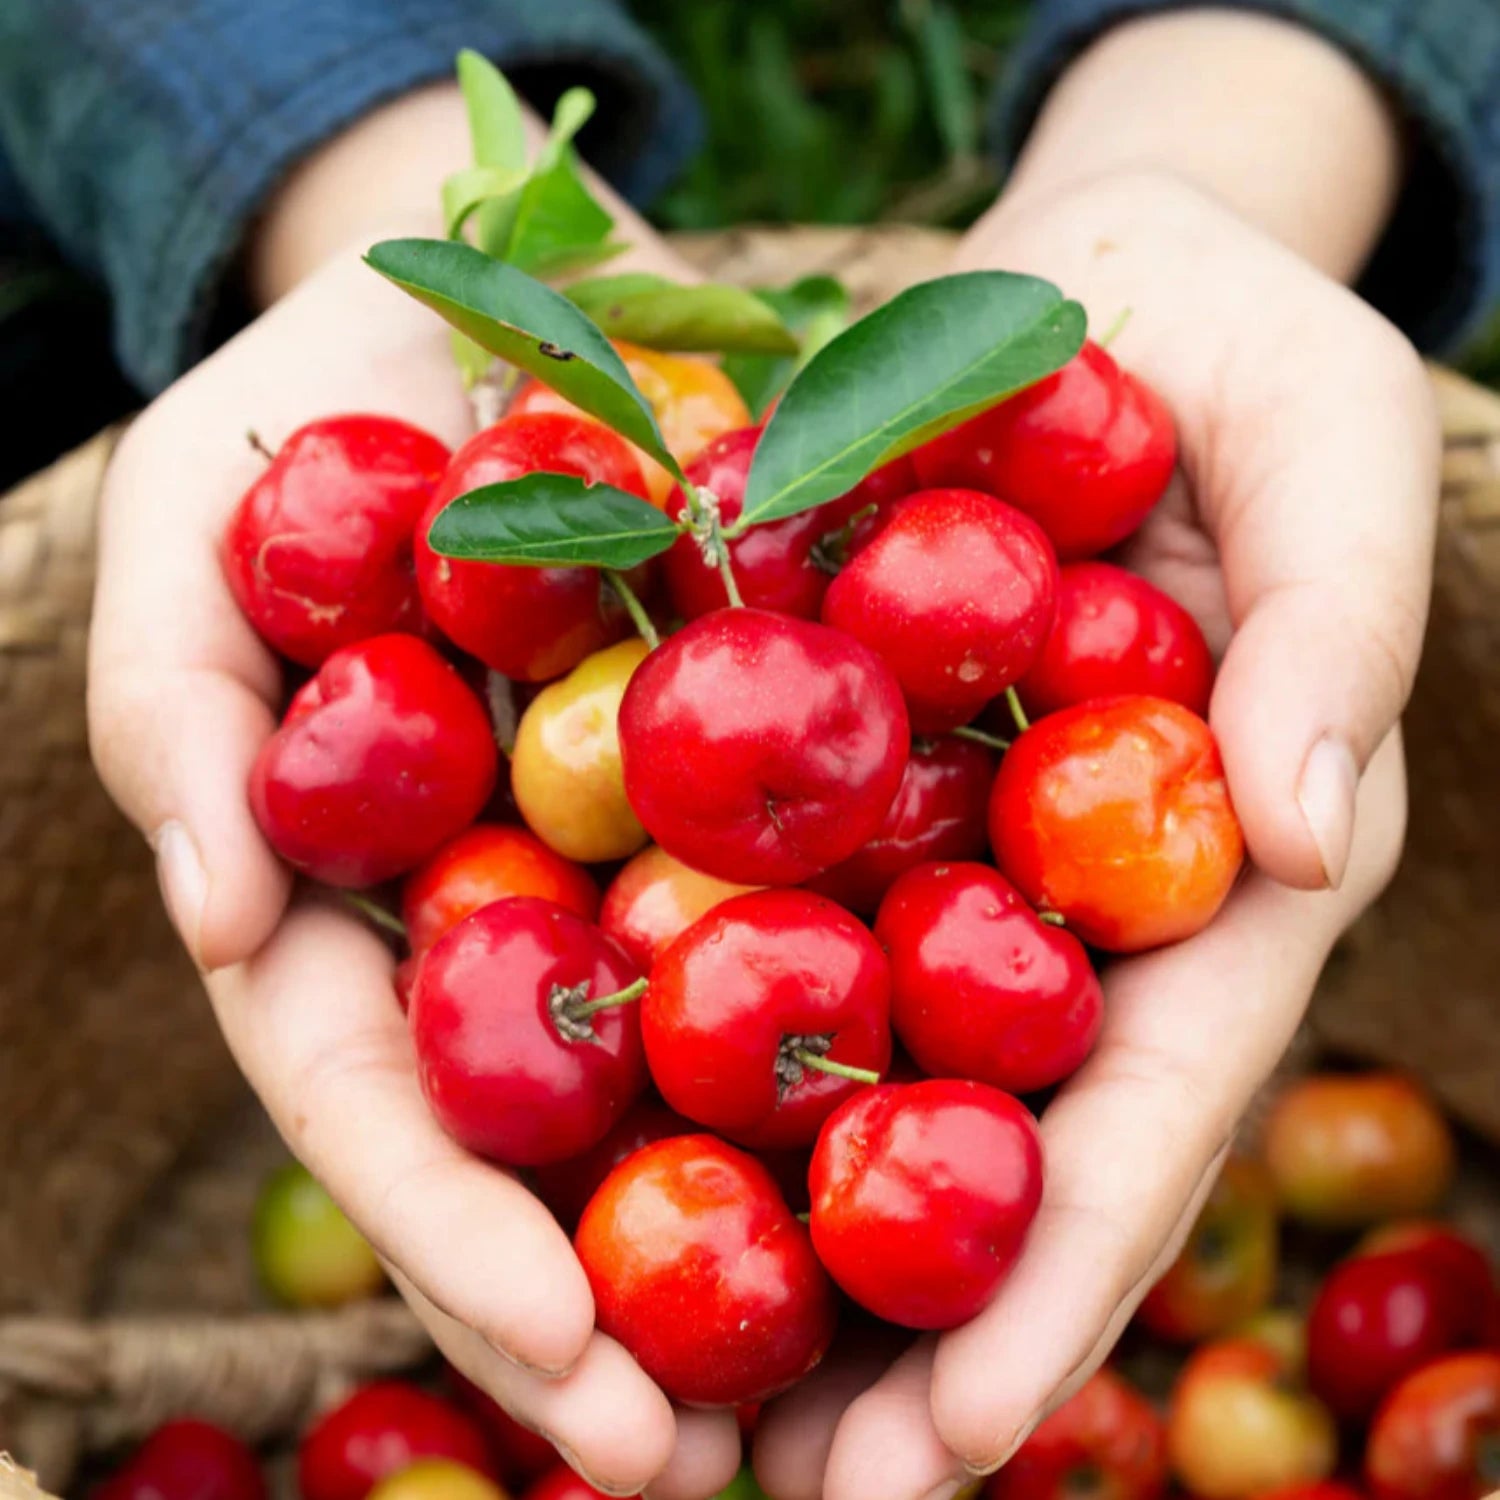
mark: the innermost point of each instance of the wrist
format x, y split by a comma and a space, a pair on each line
1262, 114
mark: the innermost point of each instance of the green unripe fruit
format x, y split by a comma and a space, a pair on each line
308, 1254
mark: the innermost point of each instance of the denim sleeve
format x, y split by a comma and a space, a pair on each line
1437, 270
144, 135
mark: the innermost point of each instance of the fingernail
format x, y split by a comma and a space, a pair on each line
184, 883
980, 1470
570, 1458
1326, 796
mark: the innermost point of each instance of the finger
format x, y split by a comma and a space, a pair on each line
605, 1418
707, 1456
1326, 545
1190, 1034
795, 1433
314, 1024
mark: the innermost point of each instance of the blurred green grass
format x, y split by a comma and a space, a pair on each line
836, 111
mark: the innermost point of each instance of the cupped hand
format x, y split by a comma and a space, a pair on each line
1300, 533
182, 695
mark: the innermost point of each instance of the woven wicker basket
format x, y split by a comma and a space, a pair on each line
133, 1152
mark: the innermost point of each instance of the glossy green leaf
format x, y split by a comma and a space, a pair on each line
495, 127
816, 308
472, 188
922, 363
661, 314
551, 520
509, 313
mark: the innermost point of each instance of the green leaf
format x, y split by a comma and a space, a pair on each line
924, 362
471, 188
660, 314
816, 307
512, 315
551, 520
572, 112
472, 361
940, 42
495, 126
558, 221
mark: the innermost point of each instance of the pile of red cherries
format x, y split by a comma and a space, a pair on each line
864, 835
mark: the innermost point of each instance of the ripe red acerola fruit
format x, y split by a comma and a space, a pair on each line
561, 1483
531, 624
1086, 453
514, 1065
749, 999
1437, 1435
956, 592
655, 899
922, 1194
1116, 814
187, 1459
1115, 633
318, 553
703, 1273
382, 1428
939, 813
762, 749
981, 987
381, 758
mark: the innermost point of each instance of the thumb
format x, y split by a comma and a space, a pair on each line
1327, 566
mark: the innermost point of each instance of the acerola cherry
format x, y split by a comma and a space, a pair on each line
486, 863
1437, 1437
437, 1479
693, 399
981, 987
382, 1428
939, 813
318, 553
530, 624
381, 758
565, 770
1086, 453
514, 1063
561, 1483
750, 1006
762, 749
1116, 814
1377, 1318
956, 592
187, 1460
1463, 1266
566, 1186
655, 899
703, 1273
922, 1194
1226, 1272
307, 1253
1115, 633
1105, 1441
1326, 1489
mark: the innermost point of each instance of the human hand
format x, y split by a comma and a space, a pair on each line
182, 695
1300, 534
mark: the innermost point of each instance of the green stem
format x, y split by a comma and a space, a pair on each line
376, 913
586, 1008
1052, 918
707, 530
1016, 711
979, 737
633, 607
1115, 329
254, 439
810, 1059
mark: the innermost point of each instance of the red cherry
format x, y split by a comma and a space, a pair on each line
655, 899
750, 999
1117, 815
922, 1194
566, 1186
519, 1455
513, 1064
1324, 1489
1105, 1441
1115, 633
381, 758
318, 553
1462, 1266
939, 813
187, 1460
702, 1272
981, 987
956, 592
1437, 1435
382, 1428
486, 863
531, 624
762, 749
561, 1483
1086, 453
1377, 1318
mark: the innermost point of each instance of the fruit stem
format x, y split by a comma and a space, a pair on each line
831, 552
1115, 329
1052, 918
376, 913
633, 607
582, 1010
1016, 711
979, 737
705, 528
810, 1059
254, 439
